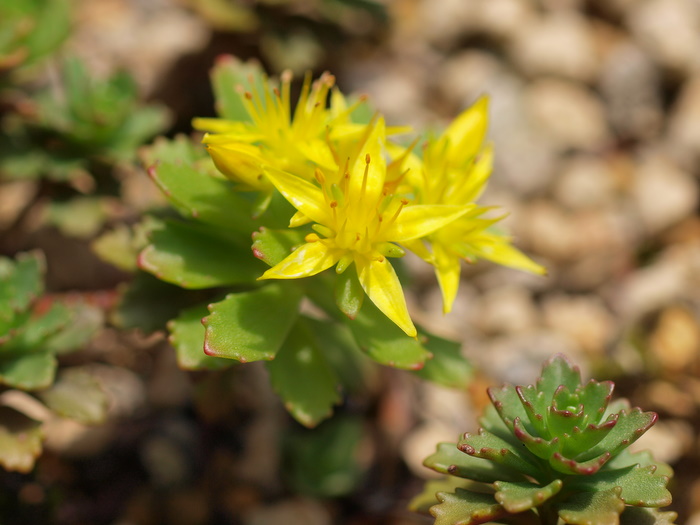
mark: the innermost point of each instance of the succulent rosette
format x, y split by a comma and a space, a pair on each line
549, 453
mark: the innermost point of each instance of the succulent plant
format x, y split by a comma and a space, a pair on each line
34, 330
95, 123
549, 453
30, 30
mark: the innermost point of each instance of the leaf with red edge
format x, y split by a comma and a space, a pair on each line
587, 508
251, 326
466, 508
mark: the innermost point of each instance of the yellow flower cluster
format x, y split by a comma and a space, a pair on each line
367, 198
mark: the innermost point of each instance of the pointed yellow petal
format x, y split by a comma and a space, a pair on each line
368, 189
469, 187
240, 162
382, 286
309, 259
303, 195
219, 125
298, 219
420, 249
466, 133
422, 219
243, 135
317, 151
447, 270
500, 251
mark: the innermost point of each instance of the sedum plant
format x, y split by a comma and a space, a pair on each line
74, 128
34, 332
30, 30
332, 200
553, 452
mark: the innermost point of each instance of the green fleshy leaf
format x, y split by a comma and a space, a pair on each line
560, 420
275, 213
323, 462
228, 73
448, 367
643, 458
641, 486
615, 407
36, 331
536, 407
491, 421
428, 497
147, 303
599, 508
466, 508
350, 364
538, 446
448, 459
519, 497
646, 516
28, 372
349, 294
203, 197
303, 379
385, 342
271, 246
187, 336
85, 321
139, 127
194, 256
509, 406
27, 280
580, 441
253, 325
586, 468
630, 426
119, 247
489, 446
20, 440
81, 217
180, 150
37, 29
555, 372
595, 397
77, 395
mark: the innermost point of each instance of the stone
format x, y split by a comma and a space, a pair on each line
507, 309
570, 115
585, 181
584, 318
559, 44
548, 231
630, 85
502, 18
146, 38
669, 30
663, 192
296, 511
675, 342
518, 358
684, 124
444, 21
672, 277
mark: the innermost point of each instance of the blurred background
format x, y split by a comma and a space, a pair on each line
595, 117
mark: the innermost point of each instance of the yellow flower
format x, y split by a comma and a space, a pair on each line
357, 223
454, 170
275, 135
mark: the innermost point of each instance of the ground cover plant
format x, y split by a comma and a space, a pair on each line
255, 262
